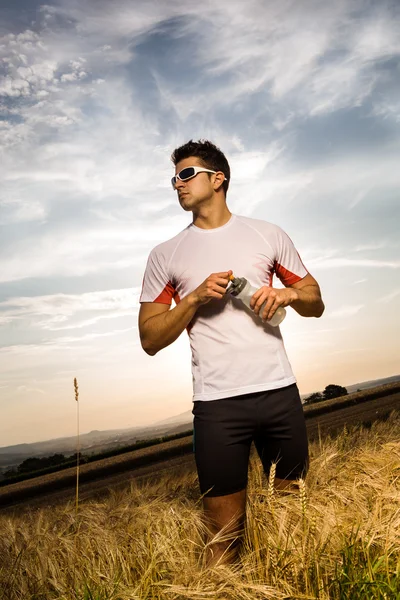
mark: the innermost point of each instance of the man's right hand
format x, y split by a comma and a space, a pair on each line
213, 287
159, 326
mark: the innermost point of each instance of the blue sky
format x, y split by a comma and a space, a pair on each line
302, 97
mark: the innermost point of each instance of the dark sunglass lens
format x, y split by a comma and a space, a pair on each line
186, 173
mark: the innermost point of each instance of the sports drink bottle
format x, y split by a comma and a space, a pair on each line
240, 288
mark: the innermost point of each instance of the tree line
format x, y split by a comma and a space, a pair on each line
40, 466
37, 464
331, 391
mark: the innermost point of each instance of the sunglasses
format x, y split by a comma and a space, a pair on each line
189, 173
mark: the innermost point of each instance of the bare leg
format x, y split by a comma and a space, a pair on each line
224, 512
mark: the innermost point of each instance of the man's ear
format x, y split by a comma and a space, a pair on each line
219, 180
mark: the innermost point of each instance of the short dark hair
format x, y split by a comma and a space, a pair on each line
209, 156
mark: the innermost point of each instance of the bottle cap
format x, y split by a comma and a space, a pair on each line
236, 286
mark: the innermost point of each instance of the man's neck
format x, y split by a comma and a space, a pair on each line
211, 218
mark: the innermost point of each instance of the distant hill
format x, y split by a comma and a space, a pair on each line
184, 417
187, 417
364, 385
90, 443
95, 442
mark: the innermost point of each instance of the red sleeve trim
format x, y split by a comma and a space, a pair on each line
287, 277
167, 294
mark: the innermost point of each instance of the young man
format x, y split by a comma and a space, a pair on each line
244, 387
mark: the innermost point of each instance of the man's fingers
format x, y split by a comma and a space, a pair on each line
220, 288
270, 309
269, 300
268, 312
255, 298
259, 298
268, 303
220, 279
223, 282
224, 276
257, 302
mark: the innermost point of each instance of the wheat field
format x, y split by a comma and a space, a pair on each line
339, 538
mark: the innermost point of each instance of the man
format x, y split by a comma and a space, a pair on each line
244, 387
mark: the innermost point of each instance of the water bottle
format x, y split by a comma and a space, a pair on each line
240, 288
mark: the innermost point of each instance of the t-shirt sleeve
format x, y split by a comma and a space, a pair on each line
288, 265
156, 284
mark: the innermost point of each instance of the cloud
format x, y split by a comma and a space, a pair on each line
345, 311
113, 24
348, 350
316, 65
15, 210
387, 110
337, 263
70, 311
42, 359
5, 320
389, 297
90, 336
103, 136
248, 166
373, 246
77, 249
29, 72
24, 389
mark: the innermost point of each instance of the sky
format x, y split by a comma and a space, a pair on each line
304, 100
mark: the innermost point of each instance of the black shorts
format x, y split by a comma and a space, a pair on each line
224, 429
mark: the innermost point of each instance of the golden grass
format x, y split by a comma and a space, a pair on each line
337, 538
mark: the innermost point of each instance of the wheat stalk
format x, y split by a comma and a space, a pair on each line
77, 444
303, 497
271, 484
272, 558
309, 541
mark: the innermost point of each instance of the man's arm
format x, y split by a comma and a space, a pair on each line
309, 302
159, 326
304, 296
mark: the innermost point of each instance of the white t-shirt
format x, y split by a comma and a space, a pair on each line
233, 351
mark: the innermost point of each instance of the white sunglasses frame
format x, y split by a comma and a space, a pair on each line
196, 171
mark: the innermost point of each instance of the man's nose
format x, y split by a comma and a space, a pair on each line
179, 184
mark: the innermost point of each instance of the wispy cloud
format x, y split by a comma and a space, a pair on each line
345, 311
348, 351
335, 263
62, 343
90, 336
389, 297
70, 311
373, 246
28, 389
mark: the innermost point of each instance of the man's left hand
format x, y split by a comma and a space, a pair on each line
274, 297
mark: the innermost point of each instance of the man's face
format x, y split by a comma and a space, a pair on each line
195, 191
